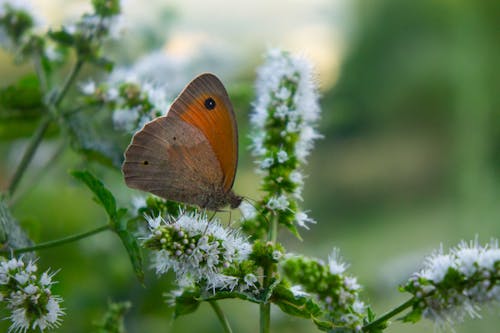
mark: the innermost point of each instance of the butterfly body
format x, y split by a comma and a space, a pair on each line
190, 155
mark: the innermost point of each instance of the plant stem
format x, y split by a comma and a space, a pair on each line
28, 154
57, 242
222, 317
42, 128
37, 62
265, 317
265, 308
389, 315
69, 80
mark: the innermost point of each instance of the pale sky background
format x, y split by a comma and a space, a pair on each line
315, 28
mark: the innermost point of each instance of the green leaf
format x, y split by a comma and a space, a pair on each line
298, 306
102, 194
11, 234
118, 224
113, 319
413, 316
187, 302
208, 296
87, 141
134, 252
62, 37
103, 62
106, 7
21, 97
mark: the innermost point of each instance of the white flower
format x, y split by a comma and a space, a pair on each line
197, 250
247, 210
32, 305
437, 265
278, 203
125, 119
138, 202
335, 263
302, 219
277, 255
351, 283
298, 291
280, 70
88, 87
249, 282
266, 163
11, 8
452, 286
282, 156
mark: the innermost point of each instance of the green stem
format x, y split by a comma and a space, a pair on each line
265, 317
37, 61
222, 317
69, 80
386, 316
265, 308
57, 242
28, 154
42, 128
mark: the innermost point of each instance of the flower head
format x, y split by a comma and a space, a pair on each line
337, 291
453, 285
284, 122
199, 251
28, 297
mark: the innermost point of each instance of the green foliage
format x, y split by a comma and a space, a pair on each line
103, 196
106, 8
12, 236
86, 140
299, 306
113, 319
22, 97
118, 223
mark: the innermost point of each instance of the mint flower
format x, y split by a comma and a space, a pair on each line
284, 122
17, 19
28, 296
199, 251
132, 102
336, 291
452, 286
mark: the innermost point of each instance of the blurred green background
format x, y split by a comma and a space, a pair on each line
410, 157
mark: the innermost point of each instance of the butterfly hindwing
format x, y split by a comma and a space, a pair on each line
172, 159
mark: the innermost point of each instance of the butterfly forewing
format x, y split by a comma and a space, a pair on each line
205, 104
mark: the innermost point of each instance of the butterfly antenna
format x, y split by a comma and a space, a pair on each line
209, 220
249, 201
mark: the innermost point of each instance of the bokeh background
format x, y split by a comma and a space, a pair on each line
410, 157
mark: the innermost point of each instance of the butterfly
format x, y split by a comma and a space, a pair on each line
189, 155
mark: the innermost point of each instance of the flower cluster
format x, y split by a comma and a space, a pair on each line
105, 22
200, 252
453, 285
132, 102
284, 120
17, 19
338, 292
28, 297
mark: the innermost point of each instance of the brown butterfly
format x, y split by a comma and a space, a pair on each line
190, 155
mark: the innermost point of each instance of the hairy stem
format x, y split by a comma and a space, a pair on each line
42, 128
68, 82
265, 308
57, 242
28, 154
222, 317
386, 316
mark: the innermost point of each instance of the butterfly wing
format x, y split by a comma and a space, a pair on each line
174, 160
205, 104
